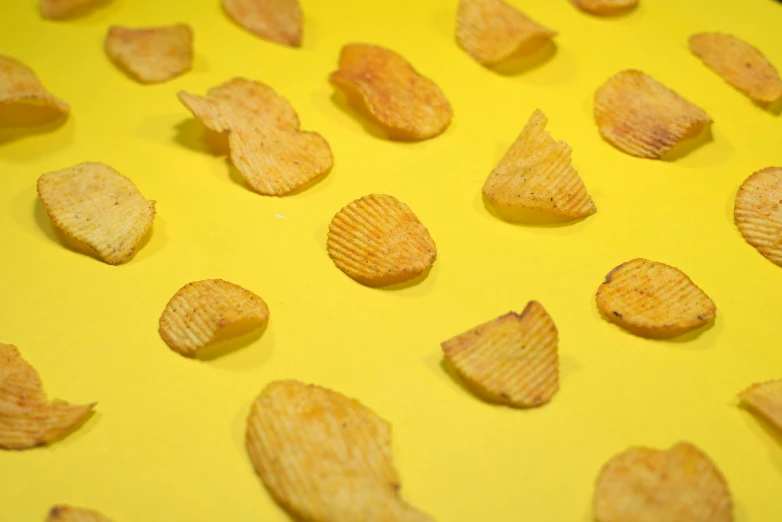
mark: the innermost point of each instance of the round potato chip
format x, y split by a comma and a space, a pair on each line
279, 21
59, 9
152, 55
20, 86
74, 514
766, 399
757, 211
605, 7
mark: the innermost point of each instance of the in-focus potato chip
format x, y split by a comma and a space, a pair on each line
58, 9
408, 106
757, 212
75, 514
325, 457
680, 484
766, 399
27, 418
378, 241
511, 360
151, 55
605, 7
653, 299
19, 86
279, 21
642, 117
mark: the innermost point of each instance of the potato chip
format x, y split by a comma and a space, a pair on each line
279, 21
74, 514
151, 55
605, 7
19, 86
511, 359
680, 484
766, 399
653, 299
378, 241
205, 312
408, 106
325, 457
739, 64
492, 31
27, 418
642, 117
58, 9
536, 174
757, 212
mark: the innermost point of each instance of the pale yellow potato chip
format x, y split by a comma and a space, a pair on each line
757, 212
407, 105
680, 484
27, 418
74, 514
642, 117
766, 399
653, 299
325, 457
151, 55
19, 86
279, 21
58, 9
605, 7
511, 360
378, 241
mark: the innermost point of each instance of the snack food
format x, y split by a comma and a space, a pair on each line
74, 514
757, 212
766, 399
275, 20
59, 9
19, 86
151, 55
605, 7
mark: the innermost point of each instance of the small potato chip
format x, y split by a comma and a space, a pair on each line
757, 212
19, 86
766, 399
279, 21
325, 457
205, 312
653, 299
74, 514
378, 241
58, 9
27, 418
409, 106
642, 117
511, 359
605, 7
151, 55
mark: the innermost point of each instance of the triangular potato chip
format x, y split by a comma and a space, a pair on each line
20, 86
279, 21
152, 55
58, 9
757, 212
75, 514
766, 399
605, 7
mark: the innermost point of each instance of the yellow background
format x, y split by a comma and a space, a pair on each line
167, 440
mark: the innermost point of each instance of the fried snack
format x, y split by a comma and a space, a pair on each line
74, 514
279, 21
605, 7
408, 106
642, 117
739, 64
325, 457
511, 359
536, 174
151, 55
27, 418
757, 212
59, 9
378, 241
19, 86
766, 399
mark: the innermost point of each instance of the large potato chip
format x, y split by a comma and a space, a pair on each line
97, 206
152, 55
511, 359
757, 212
27, 418
378, 241
766, 399
19, 86
75, 514
605, 7
58, 9
276, 20
642, 117
408, 106
325, 457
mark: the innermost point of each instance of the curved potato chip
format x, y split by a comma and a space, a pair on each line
58, 9
151, 55
605, 7
325, 457
757, 212
680, 484
409, 106
378, 241
20, 86
276, 20
74, 514
27, 418
766, 399
642, 117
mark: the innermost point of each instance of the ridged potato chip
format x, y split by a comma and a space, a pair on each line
75, 514
27, 418
642, 117
325, 457
378, 241
19, 86
59, 9
766, 399
653, 299
680, 484
407, 105
151, 55
279, 21
757, 212
605, 7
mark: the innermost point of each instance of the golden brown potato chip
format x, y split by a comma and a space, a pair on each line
151, 55
653, 299
739, 64
27, 418
640, 116
20, 86
757, 212
276, 20
766, 399
511, 359
605, 7
58, 9
378, 241
74, 514
680, 484
408, 106
325, 457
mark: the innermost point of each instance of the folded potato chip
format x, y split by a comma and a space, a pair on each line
408, 106
20, 86
151, 55
74, 514
58, 9
605, 7
325, 457
279, 21
757, 212
766, 399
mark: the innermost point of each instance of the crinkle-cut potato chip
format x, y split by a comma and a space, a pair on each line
407, 105
151, 55
378, 241
605, 7
642, 117
27, 418
20, 86
511, 360
75, 514
679, 484
59, 9
766, 399
536, 174
325, 457
758, 213
653, 299
279, 21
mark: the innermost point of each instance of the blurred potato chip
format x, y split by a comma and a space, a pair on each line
19, 86
511, 360
757, 212
97, 206
58, 9
378, 241
408, 106
74, 514
279, 21
605, 7
325, 457
766, 399
27, 418
151, 55
642, 117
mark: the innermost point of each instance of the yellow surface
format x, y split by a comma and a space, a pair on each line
166, 442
